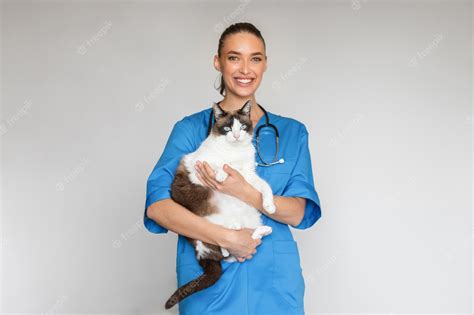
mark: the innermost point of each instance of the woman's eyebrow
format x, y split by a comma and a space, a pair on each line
237, 53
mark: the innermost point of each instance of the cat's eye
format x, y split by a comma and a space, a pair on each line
243, 127
227, 129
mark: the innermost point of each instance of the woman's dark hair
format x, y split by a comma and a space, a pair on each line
234, 29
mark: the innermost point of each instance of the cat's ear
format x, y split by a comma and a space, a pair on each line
218, 111
246, 108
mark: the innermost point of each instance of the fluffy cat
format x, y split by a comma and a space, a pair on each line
230, 142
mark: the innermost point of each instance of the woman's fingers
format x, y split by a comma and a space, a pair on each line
203, 178
210, 172
210, 183
205, 175
242, 259
211, 175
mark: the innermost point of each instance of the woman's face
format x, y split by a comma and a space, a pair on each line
242, 64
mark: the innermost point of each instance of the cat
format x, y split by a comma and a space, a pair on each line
229, 142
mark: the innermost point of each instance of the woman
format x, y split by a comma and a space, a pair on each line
269, 281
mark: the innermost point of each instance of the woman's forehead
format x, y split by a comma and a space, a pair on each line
243, 43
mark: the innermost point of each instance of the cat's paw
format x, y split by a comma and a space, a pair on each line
234, 226
230, 259
221, 176
225, 252
261, 231
268, 205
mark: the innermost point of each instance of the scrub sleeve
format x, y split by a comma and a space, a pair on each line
159, 182
301, 183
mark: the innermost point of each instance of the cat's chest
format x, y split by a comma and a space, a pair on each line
237, 160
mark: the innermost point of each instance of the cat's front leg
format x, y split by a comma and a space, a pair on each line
267, 199
267, 194
261, 231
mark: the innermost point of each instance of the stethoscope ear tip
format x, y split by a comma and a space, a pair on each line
281, 161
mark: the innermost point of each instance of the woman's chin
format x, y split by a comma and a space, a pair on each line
243, 93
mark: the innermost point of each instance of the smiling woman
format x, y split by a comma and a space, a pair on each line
269, 281
241, 59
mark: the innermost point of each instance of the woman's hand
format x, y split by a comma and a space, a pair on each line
239, 242
233, 185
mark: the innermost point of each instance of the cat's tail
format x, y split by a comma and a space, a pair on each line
212, 273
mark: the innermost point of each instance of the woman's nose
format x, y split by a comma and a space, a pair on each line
245, 67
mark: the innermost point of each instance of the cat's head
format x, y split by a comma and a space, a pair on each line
235, 126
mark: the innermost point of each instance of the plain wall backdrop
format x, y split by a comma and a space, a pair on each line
91, 90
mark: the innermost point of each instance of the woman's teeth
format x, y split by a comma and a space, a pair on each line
244, 81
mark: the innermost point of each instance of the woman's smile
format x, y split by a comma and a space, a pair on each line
244, 82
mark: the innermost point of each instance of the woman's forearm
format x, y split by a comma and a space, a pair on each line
180, 220
289, 210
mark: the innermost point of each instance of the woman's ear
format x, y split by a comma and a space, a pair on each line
217, 64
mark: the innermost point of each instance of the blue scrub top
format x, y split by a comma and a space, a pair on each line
272, 281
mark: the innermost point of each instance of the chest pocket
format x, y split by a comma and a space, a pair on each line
277, 175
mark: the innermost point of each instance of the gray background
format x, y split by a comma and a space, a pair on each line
90, 91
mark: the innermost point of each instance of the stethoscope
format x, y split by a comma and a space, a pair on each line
267, 124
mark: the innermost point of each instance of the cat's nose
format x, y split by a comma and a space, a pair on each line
236, 136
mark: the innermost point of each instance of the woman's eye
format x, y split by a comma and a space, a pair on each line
233, 58
227, 128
